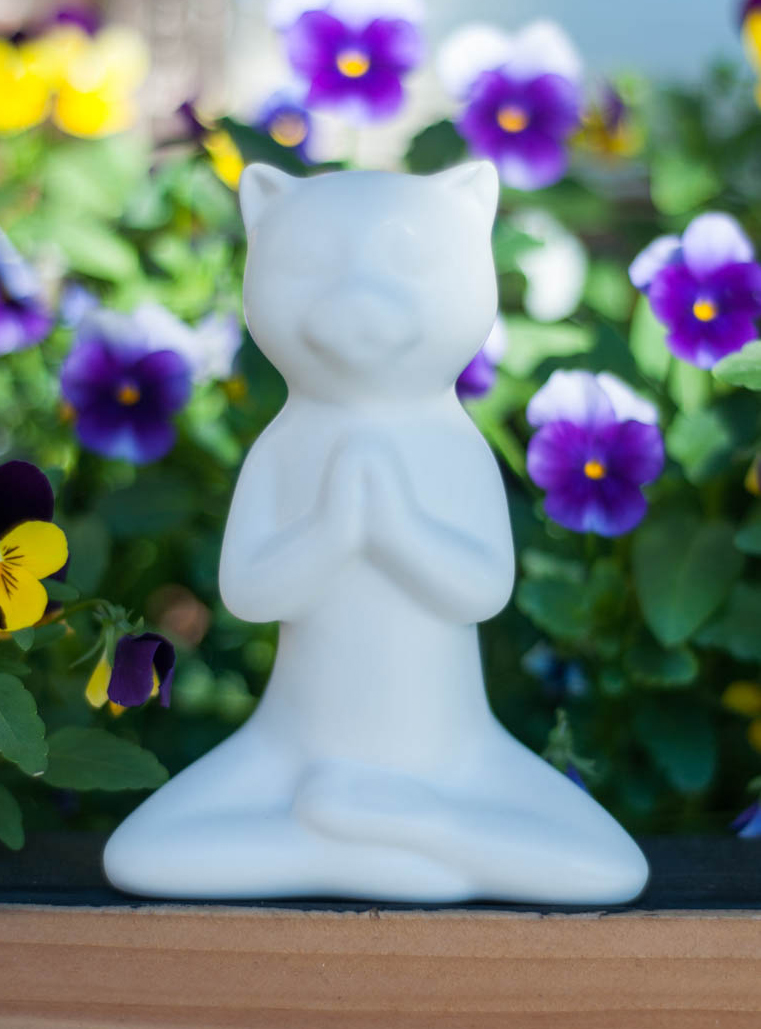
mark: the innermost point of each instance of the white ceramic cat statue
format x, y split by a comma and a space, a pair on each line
370, 520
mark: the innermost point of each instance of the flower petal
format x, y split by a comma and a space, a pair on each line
609, 507
313, 41
25, 495
96, 692
395, 44
556, 454
627, 405
656, 256
477, 378
164, 378
22, 598
138, 660
634, 451
575, 397
470, 51
40, 548
713, 240
543, 47
533, 160
555, 272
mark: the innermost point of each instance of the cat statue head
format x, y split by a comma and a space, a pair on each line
368, 284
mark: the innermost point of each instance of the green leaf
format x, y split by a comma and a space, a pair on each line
531, 343
93, 759
700, 441
260, 146
436, 147
23, 638
680, 183
690, 387
738, 628
742, 368
681, 742
94, 249
748, 536
553, 605
22, 732
683, 571
46, 635
60, 591
608, 290
650, 664
11, 825
152, 505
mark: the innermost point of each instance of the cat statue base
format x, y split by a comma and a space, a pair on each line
370, 519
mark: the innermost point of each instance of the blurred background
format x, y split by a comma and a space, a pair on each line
630, 655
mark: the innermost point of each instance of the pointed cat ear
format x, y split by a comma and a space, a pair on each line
476, 179
260, 184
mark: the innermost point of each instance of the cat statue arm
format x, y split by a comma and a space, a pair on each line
273, 573
462, 575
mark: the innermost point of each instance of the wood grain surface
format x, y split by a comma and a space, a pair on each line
213, 966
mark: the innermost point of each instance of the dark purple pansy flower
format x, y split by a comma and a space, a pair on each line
746, 8
123, 390
597, 445
522, 97
705, 287
480, 375
287, 121
24, 318
353, 60
748, 823
141, 664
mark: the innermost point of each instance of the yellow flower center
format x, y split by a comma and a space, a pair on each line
512, 118
353, 63
288, 129
595, 470
128, 395
705, 310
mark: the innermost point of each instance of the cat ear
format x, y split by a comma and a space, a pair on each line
476, 179
259, 185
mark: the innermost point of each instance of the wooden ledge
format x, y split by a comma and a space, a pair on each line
137, 964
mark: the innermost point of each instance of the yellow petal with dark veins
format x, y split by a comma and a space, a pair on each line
22, 598
39, 548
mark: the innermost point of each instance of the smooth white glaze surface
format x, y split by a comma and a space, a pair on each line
370, 519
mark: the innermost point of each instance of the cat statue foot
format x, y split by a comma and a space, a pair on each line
370, 519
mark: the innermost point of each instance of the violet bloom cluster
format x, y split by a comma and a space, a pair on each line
597, 445
705, 287
123, 390
522, 98
24, 318
352, 55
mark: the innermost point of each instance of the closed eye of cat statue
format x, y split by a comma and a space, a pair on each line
370, 520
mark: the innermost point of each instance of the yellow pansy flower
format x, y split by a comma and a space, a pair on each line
29, 552
24, 88
226, 159
95, 91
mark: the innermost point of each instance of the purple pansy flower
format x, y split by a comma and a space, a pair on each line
705, 287
575, 776
136, 660
522, 97
597, 445
352, 55
24, 319
748, 823
287, 121
123, 390
86, 17
478, 378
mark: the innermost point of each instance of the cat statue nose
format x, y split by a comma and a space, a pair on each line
360, 326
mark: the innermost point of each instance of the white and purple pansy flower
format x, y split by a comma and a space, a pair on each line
24, 317
705, 287
597, 444
123, 390
352, 54
522, 98
479, 376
